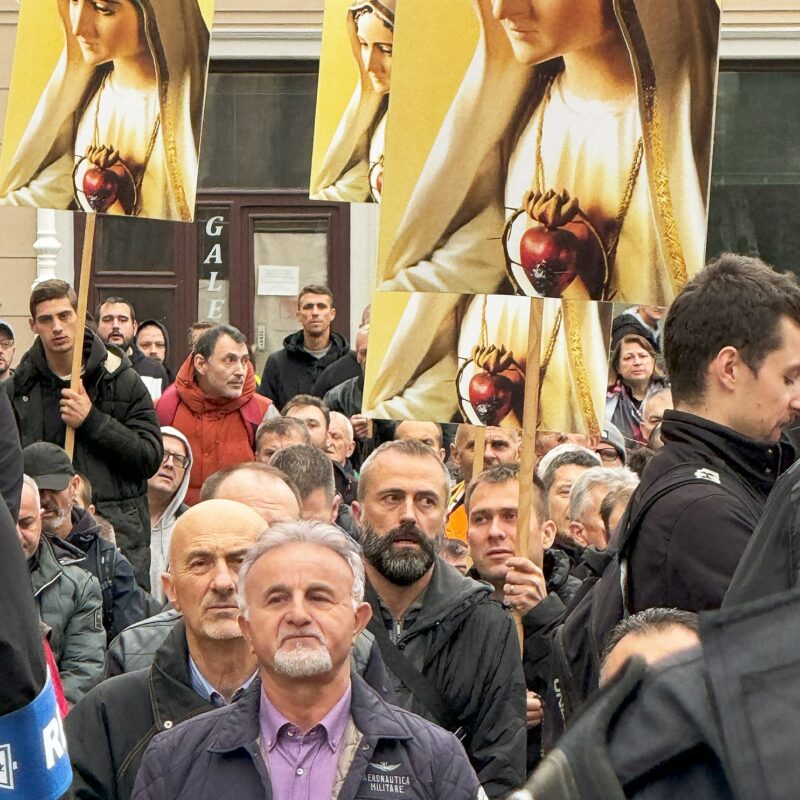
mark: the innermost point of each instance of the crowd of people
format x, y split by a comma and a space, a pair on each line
250, 590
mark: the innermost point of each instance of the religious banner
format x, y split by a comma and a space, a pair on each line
557, 149
353, 100
463, 358
106, 106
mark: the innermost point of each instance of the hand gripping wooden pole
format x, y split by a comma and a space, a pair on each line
80, 326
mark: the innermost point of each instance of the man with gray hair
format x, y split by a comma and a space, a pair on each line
309, 727
590, 489
452, 650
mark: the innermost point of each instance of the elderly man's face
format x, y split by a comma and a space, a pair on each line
590, 530
301, 620
208, 545
340, 439
501, 447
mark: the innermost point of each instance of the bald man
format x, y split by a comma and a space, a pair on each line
501, 447
203, 663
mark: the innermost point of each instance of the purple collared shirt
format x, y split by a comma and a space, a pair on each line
302, 767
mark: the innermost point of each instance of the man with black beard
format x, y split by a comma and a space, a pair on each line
116, 324
452, 650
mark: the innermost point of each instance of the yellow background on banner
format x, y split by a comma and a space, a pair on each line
40, 40
433, 46
387, 309
338, 78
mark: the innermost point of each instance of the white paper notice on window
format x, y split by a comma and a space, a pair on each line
280, 281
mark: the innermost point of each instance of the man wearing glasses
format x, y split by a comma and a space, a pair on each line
166, 491
7, 350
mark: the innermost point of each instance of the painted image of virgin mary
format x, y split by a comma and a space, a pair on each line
352, 170
117, 128
574, 159
464, 358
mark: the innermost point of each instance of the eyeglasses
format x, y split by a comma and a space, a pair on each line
178, 459
607, 453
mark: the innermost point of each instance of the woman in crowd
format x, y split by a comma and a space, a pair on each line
633, 375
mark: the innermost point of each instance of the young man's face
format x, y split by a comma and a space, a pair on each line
539, 30
55, 323
151, 342
116, 324
769, 400
315, 312
315, 421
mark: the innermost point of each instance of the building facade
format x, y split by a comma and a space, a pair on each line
253, 209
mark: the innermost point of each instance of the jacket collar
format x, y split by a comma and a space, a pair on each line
52, 555
759, 463
172, 695
239, 725
85, 529
193, 397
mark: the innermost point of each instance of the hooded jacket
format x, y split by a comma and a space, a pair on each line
165, 332
123, 603
344, 174
215, 428
161, 532
292, 371
465, 645
118, 446
218, 755
40, 171
150, 370
692, 539
71, 605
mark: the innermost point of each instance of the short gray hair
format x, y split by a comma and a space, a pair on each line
614, 478
28, 481
337, 415
305, 532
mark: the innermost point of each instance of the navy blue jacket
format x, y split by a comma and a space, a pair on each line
217, 755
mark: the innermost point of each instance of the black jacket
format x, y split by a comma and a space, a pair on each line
109, 730
217, 756
167, 359
341, 370
771, 561
10, 458
292, 371
150, 370
118, 447
123, 602
465, 644
348, 397
691, 540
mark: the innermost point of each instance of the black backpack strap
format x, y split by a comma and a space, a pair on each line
419, 686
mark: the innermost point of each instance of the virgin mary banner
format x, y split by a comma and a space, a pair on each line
463, 358
353, 100
557, 149
106, 106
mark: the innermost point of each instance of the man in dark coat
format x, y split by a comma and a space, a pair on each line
152, 338
452, 651
308, 727
305, 354
540, 595
641, 321
732, 346
117, 438
50, 467
202, 663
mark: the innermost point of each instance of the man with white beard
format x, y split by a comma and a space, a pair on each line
309, 728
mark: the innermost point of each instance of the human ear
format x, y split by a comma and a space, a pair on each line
549, 530
168, 584
577, 533
363, 614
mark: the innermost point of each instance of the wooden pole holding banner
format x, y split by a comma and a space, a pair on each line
83, 300
527, 548
480, 451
